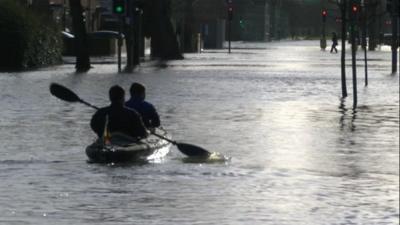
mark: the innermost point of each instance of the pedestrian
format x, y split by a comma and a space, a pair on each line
137, 102
117, 118
334, 42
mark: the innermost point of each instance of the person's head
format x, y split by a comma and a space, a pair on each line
117, 95
137, 91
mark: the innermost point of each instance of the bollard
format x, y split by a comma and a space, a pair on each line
198, 42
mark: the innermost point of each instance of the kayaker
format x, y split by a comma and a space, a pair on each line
137, 102
120, 118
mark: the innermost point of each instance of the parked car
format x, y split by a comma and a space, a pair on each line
105, 34
100, 42
387, 39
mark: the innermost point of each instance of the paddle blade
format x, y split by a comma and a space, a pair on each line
192, 150
63, 93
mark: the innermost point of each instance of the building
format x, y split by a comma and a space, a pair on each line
210, 20
250, 21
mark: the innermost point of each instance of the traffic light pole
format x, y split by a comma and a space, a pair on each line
395, 39
323, 33
137, 36
230, 16
119, 42
343, 52
119, 10
364, 41
353, 53
229, 35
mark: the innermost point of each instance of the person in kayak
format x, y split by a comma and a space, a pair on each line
137, 102
118, 117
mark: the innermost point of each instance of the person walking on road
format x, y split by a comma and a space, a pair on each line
334, 42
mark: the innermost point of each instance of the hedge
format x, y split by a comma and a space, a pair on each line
27, 39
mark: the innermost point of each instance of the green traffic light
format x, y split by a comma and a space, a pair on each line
119, 9
241, 23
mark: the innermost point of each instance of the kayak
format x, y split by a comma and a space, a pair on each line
122, 148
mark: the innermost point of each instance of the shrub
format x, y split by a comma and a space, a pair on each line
27, 40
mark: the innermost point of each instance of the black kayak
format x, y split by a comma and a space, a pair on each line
122, 149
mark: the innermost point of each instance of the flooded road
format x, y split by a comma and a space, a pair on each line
299, 154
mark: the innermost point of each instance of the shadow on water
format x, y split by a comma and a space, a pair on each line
26, 162
345, 117
121, 164
364, 136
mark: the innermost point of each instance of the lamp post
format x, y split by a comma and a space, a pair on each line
364, 38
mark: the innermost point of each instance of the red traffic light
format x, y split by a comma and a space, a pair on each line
230, 13
324, 13
354, 8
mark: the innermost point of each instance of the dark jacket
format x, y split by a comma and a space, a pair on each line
148, 112
120, 119
334, 40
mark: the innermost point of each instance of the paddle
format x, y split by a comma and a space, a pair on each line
187, 149
65, 94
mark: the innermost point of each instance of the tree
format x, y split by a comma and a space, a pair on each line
343, 5
81, 42
158, 26
183, 13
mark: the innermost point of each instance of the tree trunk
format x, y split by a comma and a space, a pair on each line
343, 8
188, 34
164, 43
373, 25
129, 37
395, 39
81, 43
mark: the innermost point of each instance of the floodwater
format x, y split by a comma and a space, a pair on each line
299, 154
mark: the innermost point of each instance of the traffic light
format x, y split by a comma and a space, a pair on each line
354, 11
230, 12
324, 14
354, 8
241, 23
119, 6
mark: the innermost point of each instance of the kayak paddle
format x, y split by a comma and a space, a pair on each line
187, 149
66, 94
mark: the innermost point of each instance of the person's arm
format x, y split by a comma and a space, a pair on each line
139, 127
97, 123
154, 117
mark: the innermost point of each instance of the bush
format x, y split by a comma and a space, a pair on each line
27, 40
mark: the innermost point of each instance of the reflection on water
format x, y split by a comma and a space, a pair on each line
298, 154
